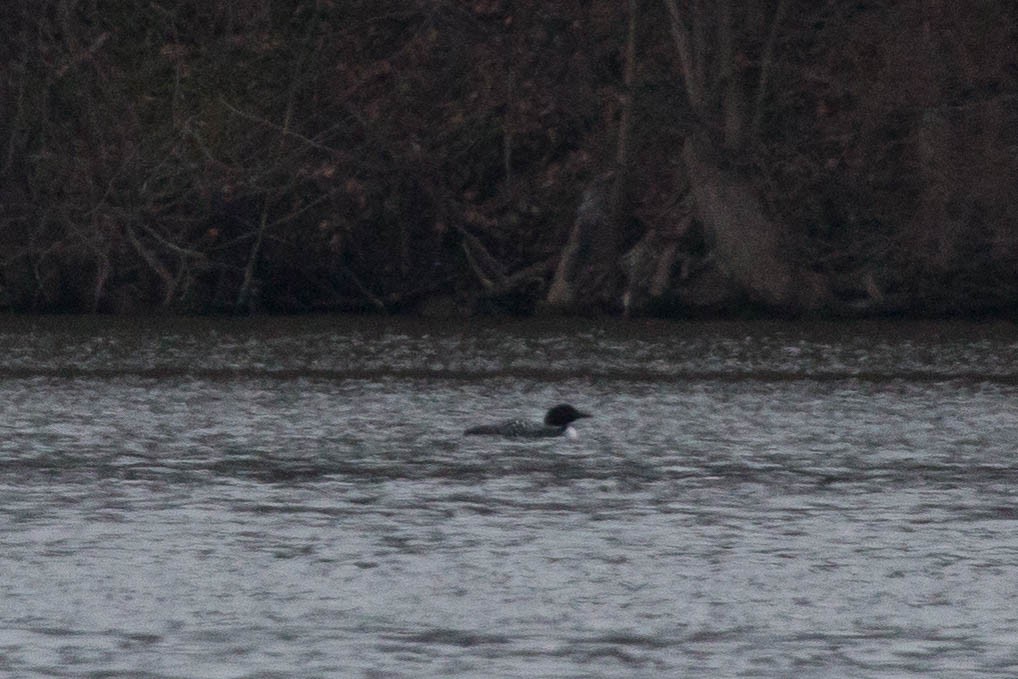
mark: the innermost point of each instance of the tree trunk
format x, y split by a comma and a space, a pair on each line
585, 263
590, 260
748, 246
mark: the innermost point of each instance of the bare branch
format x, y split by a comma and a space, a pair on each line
766, 61
681, 37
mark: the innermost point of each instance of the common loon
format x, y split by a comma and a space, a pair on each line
557, 422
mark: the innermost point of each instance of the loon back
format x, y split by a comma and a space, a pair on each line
515, 429
556, 423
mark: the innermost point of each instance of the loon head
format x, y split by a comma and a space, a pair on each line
561, 415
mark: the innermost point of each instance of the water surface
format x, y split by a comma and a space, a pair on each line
293, 497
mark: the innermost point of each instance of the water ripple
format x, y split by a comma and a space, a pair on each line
219, 499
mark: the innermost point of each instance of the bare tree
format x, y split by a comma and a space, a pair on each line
588, 273
752, 248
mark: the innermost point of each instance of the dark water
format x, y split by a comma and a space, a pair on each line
281, 498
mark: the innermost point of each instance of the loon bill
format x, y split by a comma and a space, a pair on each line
557, 422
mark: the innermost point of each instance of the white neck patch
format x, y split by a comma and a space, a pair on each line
571, 433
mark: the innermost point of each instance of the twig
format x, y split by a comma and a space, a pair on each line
273, 126
680, 34
765, 68
153, 263
86, 54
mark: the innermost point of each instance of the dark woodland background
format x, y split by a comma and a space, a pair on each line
662, 157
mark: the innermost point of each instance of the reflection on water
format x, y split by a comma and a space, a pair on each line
294, 497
